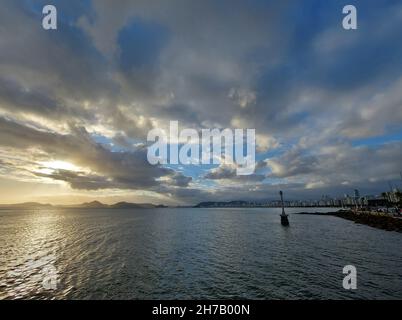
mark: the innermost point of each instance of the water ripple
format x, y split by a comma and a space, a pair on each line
192, 254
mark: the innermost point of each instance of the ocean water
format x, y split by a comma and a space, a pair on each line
192, 254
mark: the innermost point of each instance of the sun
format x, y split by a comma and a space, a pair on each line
59, 165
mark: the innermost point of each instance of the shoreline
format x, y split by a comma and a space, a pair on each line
372, 219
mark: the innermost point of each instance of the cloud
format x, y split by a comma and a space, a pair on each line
107, 169
242, 97
229, 172
79, 180
339, 165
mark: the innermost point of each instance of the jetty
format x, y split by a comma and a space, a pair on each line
369, 218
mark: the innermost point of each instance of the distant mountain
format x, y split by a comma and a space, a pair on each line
94, 205
118, 205
128, 205
26, 205
85, 205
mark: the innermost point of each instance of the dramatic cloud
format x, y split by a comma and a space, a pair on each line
105, 169
339, 165
228, 172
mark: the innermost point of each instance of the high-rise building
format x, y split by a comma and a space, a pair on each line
357, 194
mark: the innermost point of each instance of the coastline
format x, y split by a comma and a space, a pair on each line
372, 219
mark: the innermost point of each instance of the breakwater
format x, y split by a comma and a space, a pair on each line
372, 219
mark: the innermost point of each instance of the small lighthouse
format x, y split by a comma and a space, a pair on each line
284, 216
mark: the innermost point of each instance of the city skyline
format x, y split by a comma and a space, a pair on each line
76, 103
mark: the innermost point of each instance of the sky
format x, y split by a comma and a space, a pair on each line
76, 103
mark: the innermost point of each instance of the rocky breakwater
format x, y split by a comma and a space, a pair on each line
372, 219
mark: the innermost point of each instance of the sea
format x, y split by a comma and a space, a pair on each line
193, 253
